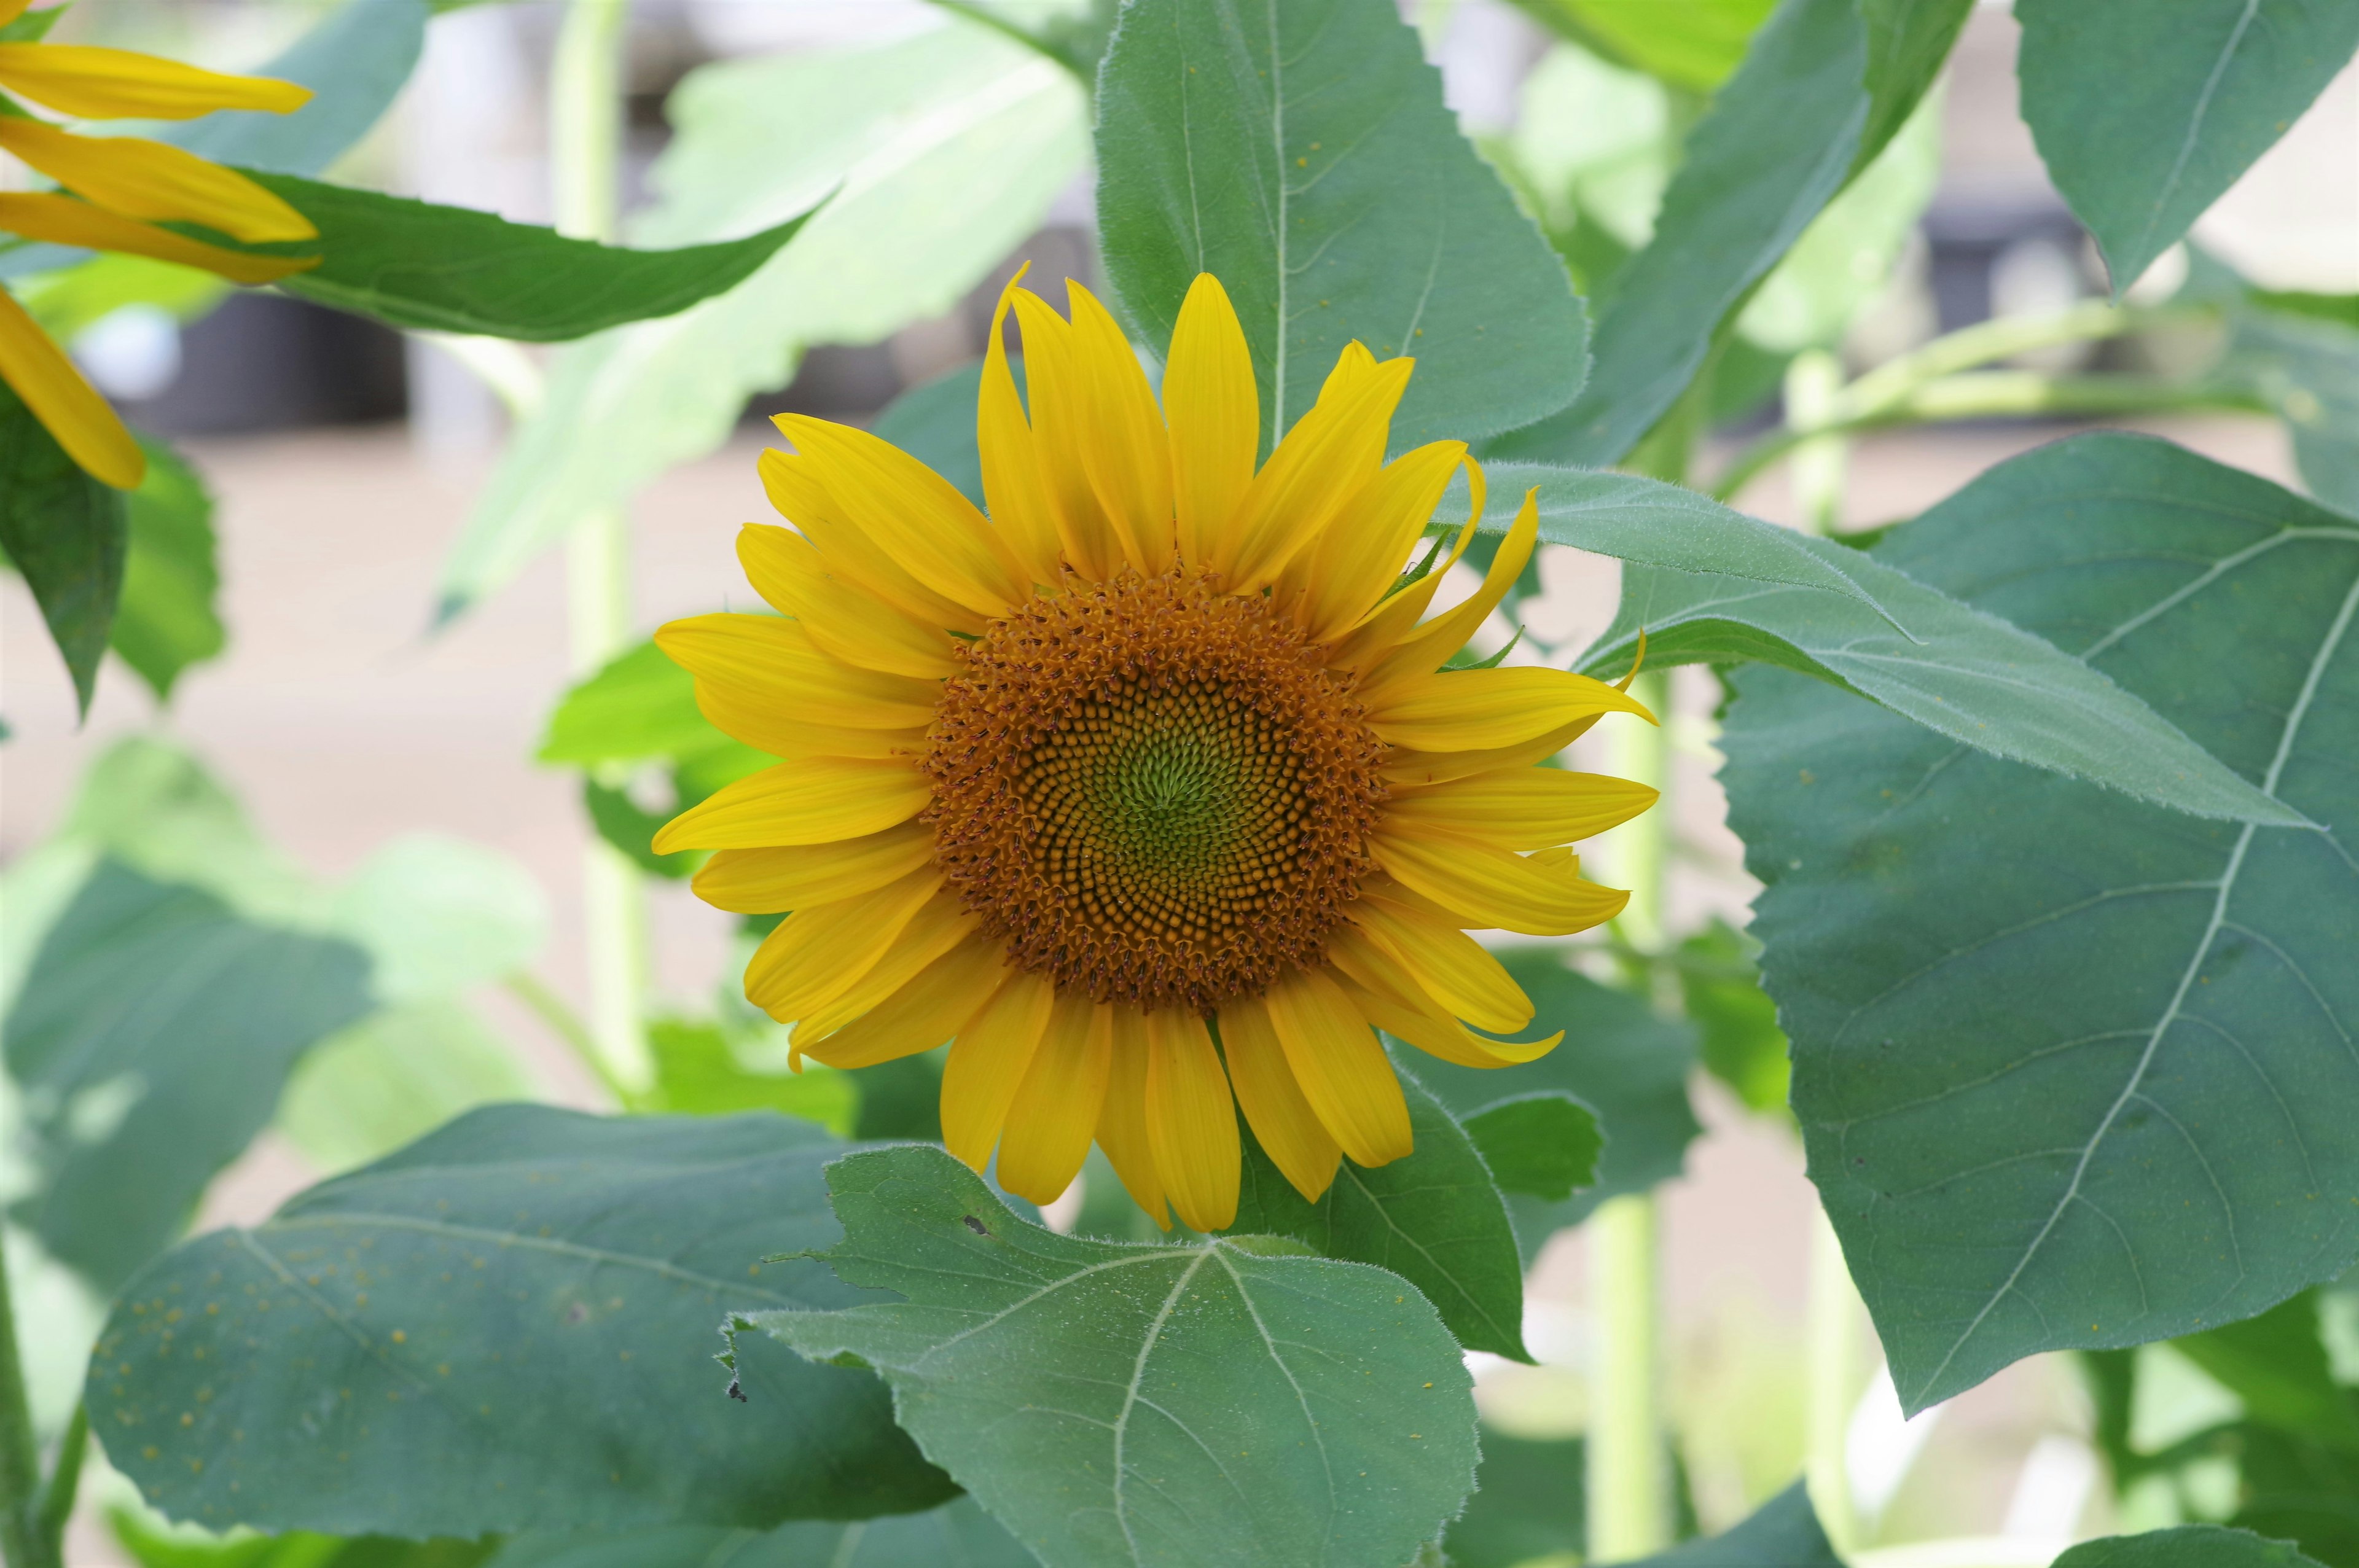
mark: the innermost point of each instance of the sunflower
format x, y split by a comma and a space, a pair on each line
1149, 788
120, 188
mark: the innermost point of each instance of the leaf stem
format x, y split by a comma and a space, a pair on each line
585, 125
25, 1538
567, 1025
1831, 1370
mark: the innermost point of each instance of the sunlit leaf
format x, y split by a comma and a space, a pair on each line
165, 619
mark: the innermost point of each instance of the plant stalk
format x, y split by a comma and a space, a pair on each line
585, 135
1819, 466
24, 1536
1628, 1490
1831, 1369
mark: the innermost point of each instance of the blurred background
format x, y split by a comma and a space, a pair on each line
346, 462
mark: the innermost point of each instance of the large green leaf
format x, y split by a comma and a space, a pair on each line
356, 61
1782, 1533
65, 533
1527, 1504
1299, 150
956, 1535
1617, 1058
2187, 1546
949, 147
2146, 110
1542, 1145
455, 269
1958, 669
1907, 42
2072, 1070
1073, 33
1432, 1216
506, 1325
1222, 1403
150, 1043
935, 423
166, 621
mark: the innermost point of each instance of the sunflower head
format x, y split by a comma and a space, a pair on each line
114, 192
1147, 788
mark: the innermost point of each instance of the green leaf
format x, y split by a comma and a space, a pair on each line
935, 423
183, 1548
1960, 671
453, 269
1073, 33
1527, 1504
1782, 1533
439, 916
2071, 1071
639, 705
949, 147
2145, 111
1618, 1058
1777, 144
65, 533
1224, 1403
2187, 1546
1299, 151
1741, 1043
2306, 364
1694, 46
32, 26
956, 1535
1542, 1145
393, 1077
149, 1044
1432, 1216
165, 619
902, 1098
2277, 1365
698, 1073
1908, 43
506, 1327
355, 59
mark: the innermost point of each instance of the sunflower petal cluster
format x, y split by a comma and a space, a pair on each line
113, 192
1147, 787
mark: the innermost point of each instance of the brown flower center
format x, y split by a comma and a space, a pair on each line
1153, 790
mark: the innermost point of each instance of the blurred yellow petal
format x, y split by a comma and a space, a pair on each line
1015, 484
987, 1063
62, 221
1124, 444
68, 407
1343, 1072
924, 1010
92, 83
1191, 1123
795, 876
149, 179
1287, 1130
1213, 414
1055, 1114
1524, 808
813, 800
1122, 1121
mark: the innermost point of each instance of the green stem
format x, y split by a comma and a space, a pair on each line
1831, 1369
566, 1024
586, 158
23, 1538
65, 1480
1819, 466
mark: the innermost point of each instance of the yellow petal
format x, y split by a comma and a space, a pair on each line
1191, 1123
67, 406
1407, 769
821, 949
775, 663
1288, 1131
62, 221
1420, 1022
1122, 1121
939, 927
987, 1063
1213, 414
12, 9
149, 179
1365, 548
1124, 444
813, 800
857, 628
1524, 808
92, 83
793, 487
1322, 463
926, 1007
1015, 483
1395, 616
1489, 887
771, 882
1425, 649
1054, 392
1473, 710
1055, 1113
1340, 1067
915, 515
1446, 964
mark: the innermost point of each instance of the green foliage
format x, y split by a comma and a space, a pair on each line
1527, 1505
956, 1535
1073, 33
393, 1077
935, 423
355, 59
698, 1073
1739, 1040
65, 533
1957, 669
1782, 1533
2302, 356
948, 147
1542, 1145
150, 1042
1432, 1216
2146, 111
2189, 1546
1692, 46
2071, 1069
1618, 1058
1226, 1402
453, 269
154, 1548
1301, 152
506, 1325
165, 620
